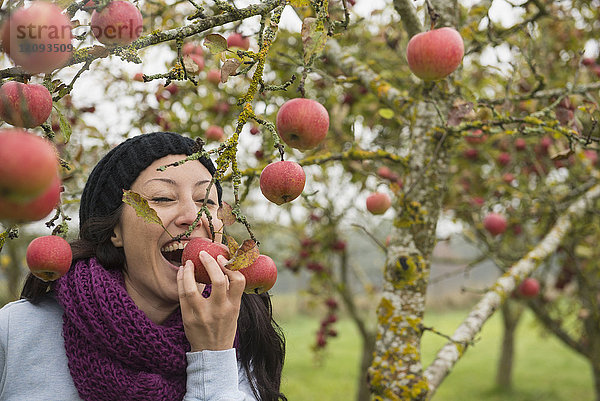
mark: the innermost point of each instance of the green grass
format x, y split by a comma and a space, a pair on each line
544, 369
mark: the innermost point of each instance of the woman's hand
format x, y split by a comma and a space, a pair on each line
210, 323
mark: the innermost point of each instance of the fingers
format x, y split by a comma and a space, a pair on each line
237, 281
219, 281
187, 286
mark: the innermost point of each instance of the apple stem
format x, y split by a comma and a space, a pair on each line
280, 149
433, 15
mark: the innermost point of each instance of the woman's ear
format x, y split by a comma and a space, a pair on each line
117, 237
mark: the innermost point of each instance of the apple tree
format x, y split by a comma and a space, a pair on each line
509, 147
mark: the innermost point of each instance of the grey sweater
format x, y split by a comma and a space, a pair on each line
33, 362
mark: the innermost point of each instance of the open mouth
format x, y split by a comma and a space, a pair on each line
173, 252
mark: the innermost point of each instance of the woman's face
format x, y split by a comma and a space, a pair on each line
152, 256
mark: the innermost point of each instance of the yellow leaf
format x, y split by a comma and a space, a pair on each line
314, 37
231, 244
300, 3
583, 251
386, 113
244, 256
141, 207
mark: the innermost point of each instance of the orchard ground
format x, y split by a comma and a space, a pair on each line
544, 369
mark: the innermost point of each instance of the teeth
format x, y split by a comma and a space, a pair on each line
173, 246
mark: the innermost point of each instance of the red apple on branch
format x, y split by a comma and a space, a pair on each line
282, 181
24, 105
192, 252
495, 223
260, 275
435, 54
214, 76
302, 123
378, 203
237, 40
49, 257
33, 210
529, 288
214, 133
28, 165
192, 48
38, 38
118, 24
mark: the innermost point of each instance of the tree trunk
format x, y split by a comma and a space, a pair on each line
511, 314
364, 392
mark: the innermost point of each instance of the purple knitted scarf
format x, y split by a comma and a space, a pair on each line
115, 352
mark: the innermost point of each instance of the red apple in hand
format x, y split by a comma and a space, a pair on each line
33, 210
378, 203
28, 165
49, 257
495, 223
24, 105
302, 123
435, 54
192, 252
38, 38
260, 275
282, 181
118, 24
529, 288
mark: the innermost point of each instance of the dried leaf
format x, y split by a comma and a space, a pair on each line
229, 67
98, 51
300, 3
190, 65
460, 110
244, 256
141, 207
215, 43
225, 214
563, 154
314, 37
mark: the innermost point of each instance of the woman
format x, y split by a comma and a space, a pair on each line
127, 322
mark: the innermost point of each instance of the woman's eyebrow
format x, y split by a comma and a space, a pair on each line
173, 182
167, 180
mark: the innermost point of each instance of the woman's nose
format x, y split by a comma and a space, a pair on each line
187, 212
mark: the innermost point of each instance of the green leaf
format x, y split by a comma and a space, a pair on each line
244, 256
65, 127
386, 113
215, 43
314, 37
141, 207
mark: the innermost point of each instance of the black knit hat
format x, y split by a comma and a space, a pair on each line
119, 168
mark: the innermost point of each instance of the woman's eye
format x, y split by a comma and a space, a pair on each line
208, 202
162, 199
